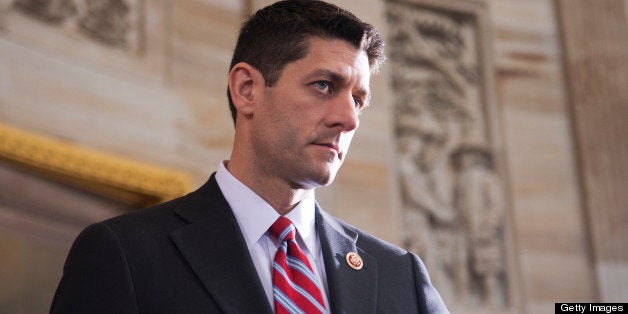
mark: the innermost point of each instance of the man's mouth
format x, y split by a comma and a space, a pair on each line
331, 145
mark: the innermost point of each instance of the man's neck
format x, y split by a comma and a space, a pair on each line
278, 194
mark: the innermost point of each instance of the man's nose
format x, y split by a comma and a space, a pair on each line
344, 114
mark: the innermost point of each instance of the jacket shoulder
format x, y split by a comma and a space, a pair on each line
397, 267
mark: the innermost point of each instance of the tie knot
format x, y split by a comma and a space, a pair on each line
282, 229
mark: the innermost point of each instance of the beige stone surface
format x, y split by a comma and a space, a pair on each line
546, 211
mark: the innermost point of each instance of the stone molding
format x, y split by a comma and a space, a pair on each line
132, 182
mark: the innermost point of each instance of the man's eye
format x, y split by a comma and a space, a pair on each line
358, 102
322, 85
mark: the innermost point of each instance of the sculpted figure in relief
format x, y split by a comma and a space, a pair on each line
426, 208
109, 21
52, 11
427, 134
453, 211
478, 199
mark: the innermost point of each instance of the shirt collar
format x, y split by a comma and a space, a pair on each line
255, 215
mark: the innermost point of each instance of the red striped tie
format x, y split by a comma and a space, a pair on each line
295, 287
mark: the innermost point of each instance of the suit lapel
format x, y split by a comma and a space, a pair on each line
350, 290
215, 249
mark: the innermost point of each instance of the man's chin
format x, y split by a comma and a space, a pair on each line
320, 179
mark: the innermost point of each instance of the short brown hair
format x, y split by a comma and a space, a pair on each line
278, 34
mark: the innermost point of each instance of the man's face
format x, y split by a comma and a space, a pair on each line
303, 127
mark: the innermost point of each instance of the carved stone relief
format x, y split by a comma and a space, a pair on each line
452, 193
111, 22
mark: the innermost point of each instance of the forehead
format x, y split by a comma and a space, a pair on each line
334, 56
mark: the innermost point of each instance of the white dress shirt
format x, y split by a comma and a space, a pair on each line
255, 216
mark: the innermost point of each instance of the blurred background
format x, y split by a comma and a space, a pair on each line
495, 146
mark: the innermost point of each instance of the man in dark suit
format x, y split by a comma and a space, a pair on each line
298, 80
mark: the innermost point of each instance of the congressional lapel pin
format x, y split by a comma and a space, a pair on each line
354, 260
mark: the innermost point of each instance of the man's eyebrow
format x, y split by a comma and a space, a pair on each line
336, 77
327, 74
365, 95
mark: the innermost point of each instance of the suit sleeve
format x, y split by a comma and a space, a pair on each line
96, 276
428, 298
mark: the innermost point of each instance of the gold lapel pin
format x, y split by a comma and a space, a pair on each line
354, 260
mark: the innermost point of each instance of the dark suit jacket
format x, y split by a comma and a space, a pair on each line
188, 255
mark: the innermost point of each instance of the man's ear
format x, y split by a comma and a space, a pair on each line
246, 87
